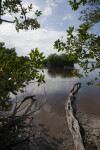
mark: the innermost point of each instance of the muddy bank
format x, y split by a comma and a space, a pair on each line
90, 130
88, 115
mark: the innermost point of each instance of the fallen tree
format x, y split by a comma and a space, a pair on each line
71, 120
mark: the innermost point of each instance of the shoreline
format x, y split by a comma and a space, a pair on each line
90, 130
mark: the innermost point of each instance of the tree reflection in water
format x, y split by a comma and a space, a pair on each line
60, 72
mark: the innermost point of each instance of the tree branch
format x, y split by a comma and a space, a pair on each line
23, 10
6, 20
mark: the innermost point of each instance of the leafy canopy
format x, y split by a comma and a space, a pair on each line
18, 13
16, 72
83, 45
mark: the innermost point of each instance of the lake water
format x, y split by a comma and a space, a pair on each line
50, 120
58, 85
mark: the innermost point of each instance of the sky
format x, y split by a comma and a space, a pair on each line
56, 17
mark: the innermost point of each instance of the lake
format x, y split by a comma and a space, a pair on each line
58, 85
51, 118
50, 121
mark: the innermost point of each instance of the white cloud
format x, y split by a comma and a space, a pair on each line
60, 23
24, 41
47, 11
67, 17
43, 20
8, 16
51, 3
59, 1
30, 14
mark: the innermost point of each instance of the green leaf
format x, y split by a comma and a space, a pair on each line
27, 63
98, 84
96, 78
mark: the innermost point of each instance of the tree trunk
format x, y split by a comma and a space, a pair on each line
72, 122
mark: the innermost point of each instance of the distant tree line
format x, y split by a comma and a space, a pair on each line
55, 60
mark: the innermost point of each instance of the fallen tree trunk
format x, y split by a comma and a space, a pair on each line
72, 122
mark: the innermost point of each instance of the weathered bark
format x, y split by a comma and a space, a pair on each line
72, 122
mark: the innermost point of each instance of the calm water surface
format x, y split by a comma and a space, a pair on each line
50, 119
58, 85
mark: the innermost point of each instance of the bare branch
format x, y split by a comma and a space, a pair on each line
8, 21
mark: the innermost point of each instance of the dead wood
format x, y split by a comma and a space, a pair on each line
71, 120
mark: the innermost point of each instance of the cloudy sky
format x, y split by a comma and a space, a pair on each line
56, 17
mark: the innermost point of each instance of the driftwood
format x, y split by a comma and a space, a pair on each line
72, 122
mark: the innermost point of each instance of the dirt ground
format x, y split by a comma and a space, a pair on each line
90, 130
88, 115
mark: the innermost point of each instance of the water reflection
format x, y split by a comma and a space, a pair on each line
60, 72
59, 81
